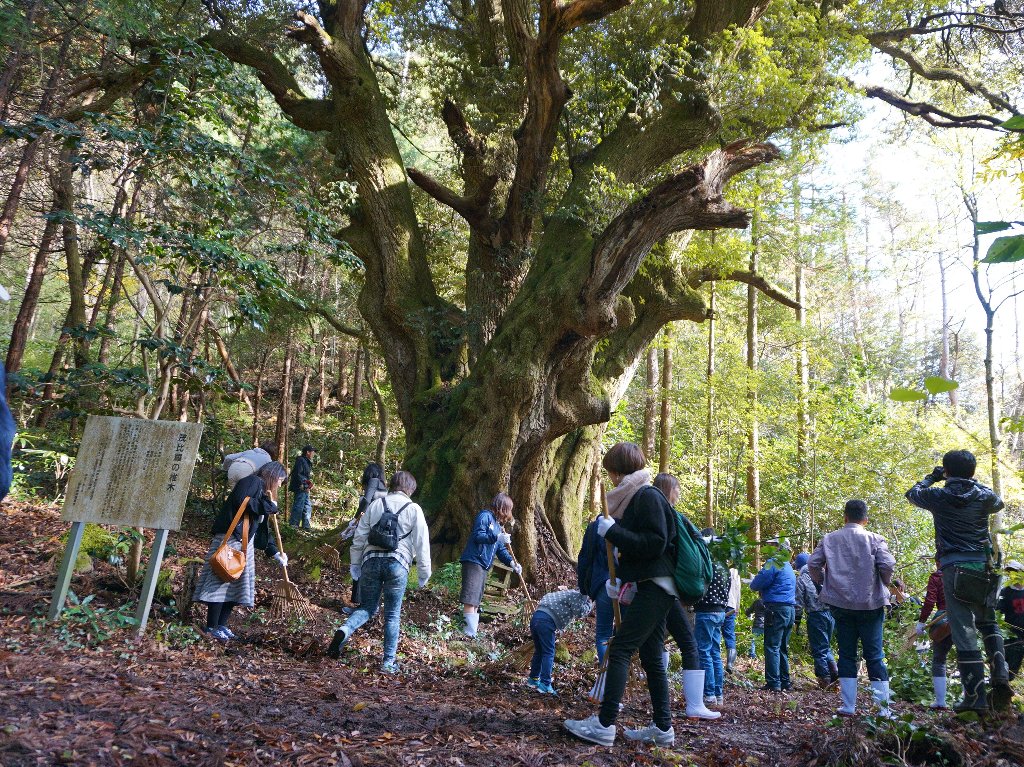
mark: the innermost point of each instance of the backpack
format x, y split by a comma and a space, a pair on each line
384, 532
694, 570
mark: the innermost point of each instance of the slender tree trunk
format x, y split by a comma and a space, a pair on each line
19, 333
13, 65
665, 453
341, 386
651, 402
357, 390
944, 366
285, 405
321, 374
300, 409
229, 366
380, 453
802, 365
753, 426
257, 399
855, 304
709, 427
28, 155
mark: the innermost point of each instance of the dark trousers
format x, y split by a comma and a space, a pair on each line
940, 652
677, 623
1015, 653
542, 631
969, 620
864, 626
778, 622
820, 628
643, 629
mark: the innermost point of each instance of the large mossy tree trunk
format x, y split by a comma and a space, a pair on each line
511, 390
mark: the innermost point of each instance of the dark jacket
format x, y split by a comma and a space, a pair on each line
756, 613
592, 563
483, 543
645, 538
716, 596
1011, 605
374, 489
260, 505
960, 511
299, 481
6, 438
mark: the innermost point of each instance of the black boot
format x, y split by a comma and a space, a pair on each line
340, 637
999, 672
833, 673
730, 659
972, 677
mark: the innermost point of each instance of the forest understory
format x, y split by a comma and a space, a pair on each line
274, 698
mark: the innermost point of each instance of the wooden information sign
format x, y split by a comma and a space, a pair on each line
130, 472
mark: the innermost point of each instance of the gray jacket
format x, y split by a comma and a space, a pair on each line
854, 566
807, 593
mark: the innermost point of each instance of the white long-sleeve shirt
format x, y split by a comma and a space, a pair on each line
414, 545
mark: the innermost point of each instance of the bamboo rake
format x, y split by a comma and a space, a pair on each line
522, 582
286, 598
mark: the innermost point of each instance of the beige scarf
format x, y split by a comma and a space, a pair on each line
620, 496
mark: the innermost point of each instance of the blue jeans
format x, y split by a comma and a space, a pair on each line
754, 634
708, 632
542, 631
302, 511
604, 625
778, 622
729, 630
865, 626
381, 577
820, 627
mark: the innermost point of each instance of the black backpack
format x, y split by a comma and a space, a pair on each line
384, 532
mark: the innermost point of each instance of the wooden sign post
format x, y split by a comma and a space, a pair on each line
130, 472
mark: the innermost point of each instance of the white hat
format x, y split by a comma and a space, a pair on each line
1013, 564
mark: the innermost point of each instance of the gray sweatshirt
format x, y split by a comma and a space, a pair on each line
565, 606
855, 566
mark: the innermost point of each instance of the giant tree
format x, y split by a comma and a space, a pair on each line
573, 210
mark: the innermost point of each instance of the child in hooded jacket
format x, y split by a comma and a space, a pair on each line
555, 611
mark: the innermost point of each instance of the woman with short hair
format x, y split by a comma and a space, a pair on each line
383, 572
487, 539
220, 596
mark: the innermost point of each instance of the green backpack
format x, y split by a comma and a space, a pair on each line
694, 570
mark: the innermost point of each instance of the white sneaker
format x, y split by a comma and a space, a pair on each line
710, 700
591, 729
720, 700
652, 734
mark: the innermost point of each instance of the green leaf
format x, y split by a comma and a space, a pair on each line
1014, 123
938, 384
907, 395
991, 227
1005, 250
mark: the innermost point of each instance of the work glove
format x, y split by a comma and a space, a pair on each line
938, 474
603, 525
355, 571
919, 629
518, 568
505, 539
281, 558
612, 588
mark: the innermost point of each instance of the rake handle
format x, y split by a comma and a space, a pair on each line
611, 560
280, 546
522, 581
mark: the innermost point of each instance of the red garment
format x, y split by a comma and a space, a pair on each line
934, 597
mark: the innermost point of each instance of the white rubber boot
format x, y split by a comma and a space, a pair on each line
693, 690
939, 686
472, 621
880, 693
848, 692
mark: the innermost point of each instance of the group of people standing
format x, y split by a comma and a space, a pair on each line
842, 587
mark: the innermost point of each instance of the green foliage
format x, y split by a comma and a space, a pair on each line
83, 625
1005, 250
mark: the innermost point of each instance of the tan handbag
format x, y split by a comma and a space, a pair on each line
227, 563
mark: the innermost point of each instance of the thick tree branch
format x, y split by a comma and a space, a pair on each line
750, 278
691, 199
341, 327
307, 113
932, 114
474, 210
336, 59
570, 14
883, 43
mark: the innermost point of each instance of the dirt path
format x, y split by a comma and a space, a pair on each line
275, 699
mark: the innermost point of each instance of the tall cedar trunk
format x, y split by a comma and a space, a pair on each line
19, 333
28, 154
853, 290
321, 376
709, 428
651, 402
383, 428
232, 371
257, 399
357, 392
341, 386
665, 428
753, 427
284, 407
